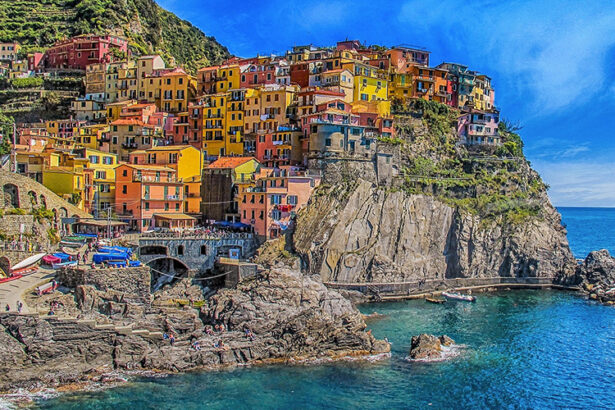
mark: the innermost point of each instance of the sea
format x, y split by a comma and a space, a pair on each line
524, 349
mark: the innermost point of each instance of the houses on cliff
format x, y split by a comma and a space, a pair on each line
155, 146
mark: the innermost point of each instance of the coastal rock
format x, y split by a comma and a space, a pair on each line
597, 276
364, 233
425, 346
291, 317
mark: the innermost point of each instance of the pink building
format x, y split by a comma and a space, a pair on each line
478, 127
271, 205
81, 51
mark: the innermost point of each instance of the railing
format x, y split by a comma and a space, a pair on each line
199, 234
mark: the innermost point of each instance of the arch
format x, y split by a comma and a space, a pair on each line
154, 250
33, 198
43, 200
203, 249
180, 250
74, 215
5, 267
165, 270
63, 212
11, 195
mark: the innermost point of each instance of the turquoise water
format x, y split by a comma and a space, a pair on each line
589, 229
525, 349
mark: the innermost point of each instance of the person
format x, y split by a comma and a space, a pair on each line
51, 312
85, 258
19, 306
7, 308
196, 345
217, 327
165, 336
221, 328
172, 339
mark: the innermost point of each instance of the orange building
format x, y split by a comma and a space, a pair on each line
143, 192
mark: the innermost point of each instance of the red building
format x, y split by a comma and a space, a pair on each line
81, 51
300, 74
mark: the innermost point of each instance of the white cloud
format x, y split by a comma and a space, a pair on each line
579, 183
552, 52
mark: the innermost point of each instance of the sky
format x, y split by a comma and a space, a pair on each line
552, 64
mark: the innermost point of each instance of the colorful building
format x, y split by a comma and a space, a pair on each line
479, 128
81, 51
145, 191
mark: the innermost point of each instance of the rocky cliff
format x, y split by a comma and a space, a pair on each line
290, 317
446, 211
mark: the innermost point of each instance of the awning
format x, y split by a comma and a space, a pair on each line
100, 222
175, 217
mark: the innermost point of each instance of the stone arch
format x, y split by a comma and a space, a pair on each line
11, 195
43, 201
166, 270
33, 198
63, 212
154, 250
5, 267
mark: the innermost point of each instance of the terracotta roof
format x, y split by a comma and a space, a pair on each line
323, 92
128, 121
230, 162
339, 70
177, 71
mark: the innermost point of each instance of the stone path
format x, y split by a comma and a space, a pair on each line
11, 292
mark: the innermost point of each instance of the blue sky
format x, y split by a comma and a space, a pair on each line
552, 63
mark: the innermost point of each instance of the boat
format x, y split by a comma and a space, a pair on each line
27, 265
46, 288
459, 296
63, 264
434, 300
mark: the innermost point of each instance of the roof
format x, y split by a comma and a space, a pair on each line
230, 162
170, 148
100, 222
149, 167
175, 217
323, 92
176, 71
128, 121
339, 70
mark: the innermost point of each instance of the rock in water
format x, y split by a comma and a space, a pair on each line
426, 346
597, 275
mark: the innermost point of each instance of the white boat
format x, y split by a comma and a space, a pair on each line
459, 296
63, 264
27, 264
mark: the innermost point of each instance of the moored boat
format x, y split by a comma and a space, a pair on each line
459, 296
27, 265
63, 264
434, 300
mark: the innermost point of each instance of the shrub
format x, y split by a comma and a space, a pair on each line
28, 82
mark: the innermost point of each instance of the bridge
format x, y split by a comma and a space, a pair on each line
172, 255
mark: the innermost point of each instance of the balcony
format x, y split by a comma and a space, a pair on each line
129, 145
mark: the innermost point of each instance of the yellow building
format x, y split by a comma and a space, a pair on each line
185, 159
340, 80
127, 83
92, 136
370, 83
66, 182
176, 88
115, 109
400, 86
103, 166
482, 93
228, 78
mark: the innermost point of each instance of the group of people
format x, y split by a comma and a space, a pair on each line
7, 308
22, 246
209, 330
53, 306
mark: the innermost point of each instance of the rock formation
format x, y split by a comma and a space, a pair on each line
429, 347
290, 317
597, 276
381, 236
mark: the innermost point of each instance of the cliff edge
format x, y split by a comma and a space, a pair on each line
441, 210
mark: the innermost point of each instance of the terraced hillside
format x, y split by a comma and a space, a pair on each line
38, 23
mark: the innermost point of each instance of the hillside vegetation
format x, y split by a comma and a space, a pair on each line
39, 23
493, 182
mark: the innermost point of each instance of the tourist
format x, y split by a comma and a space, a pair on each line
217, 327
19, 306
196, 345
7, 308
221, 328
172, 339
85, 258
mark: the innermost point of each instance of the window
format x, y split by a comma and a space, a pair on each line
328, 142
124, 189
180, 250
93, 159
166, 206
203, 250
147, 206
364, 97
177, 206
276, 215
291, 199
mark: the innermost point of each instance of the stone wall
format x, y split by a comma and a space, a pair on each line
196, 253
19, 191
132, 283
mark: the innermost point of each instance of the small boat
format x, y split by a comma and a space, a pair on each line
46, 288
434, 300
63, 264
459, 296
27, 265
